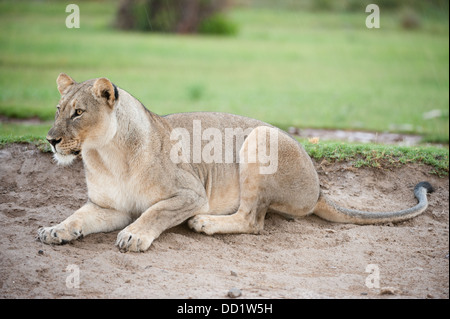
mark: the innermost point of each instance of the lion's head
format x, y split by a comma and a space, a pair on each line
84, 117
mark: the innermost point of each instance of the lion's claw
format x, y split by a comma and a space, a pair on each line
57, 235
127, 240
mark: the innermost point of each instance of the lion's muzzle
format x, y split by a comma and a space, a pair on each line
53, 141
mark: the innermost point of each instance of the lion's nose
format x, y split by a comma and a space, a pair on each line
53, 141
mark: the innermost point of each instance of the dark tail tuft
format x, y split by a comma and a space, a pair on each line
425, 185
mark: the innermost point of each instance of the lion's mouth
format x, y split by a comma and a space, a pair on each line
66, 158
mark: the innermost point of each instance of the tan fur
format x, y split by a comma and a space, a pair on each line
134, 185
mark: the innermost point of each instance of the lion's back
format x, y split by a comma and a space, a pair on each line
216, 120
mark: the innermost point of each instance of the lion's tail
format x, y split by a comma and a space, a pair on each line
328, 210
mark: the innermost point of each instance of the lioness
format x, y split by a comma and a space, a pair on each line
143, 179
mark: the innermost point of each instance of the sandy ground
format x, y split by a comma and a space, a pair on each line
303, 258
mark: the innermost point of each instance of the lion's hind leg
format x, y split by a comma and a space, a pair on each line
254, 195
285, 182
247, 220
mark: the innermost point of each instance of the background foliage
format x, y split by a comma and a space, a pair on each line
296, 63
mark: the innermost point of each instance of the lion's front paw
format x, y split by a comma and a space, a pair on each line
131, 240
58, 234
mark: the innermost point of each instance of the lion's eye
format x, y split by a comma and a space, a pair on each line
77, 113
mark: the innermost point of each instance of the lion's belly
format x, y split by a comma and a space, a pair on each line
221, 179
222, 189
224, 200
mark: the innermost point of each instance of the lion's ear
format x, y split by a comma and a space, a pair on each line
64, 82
104, 89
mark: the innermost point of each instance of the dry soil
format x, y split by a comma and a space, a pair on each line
302, 258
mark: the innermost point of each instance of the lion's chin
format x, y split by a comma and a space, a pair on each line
64, 159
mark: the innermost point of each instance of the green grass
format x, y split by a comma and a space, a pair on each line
298, 68
289, 68
40, 142
381, 156
15, 129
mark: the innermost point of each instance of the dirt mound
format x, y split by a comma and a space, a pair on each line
302, 258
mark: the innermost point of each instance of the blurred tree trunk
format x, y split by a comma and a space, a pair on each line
181, 16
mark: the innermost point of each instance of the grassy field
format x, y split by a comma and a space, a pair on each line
287, 67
